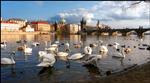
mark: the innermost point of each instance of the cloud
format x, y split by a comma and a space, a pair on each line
40, 3
106, 11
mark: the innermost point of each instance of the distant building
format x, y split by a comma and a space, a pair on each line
41, 26
73, 28
21, 22
60, 27
9, 26
1, 19
29, 29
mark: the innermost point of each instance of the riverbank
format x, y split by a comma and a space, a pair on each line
18, 33
140, 74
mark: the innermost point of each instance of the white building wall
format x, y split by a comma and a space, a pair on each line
9, 26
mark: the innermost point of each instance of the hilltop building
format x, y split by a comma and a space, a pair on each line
21, 22
42, 26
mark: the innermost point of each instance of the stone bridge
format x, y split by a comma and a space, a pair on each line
140, 31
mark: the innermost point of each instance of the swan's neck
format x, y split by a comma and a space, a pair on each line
123, 53
12, 59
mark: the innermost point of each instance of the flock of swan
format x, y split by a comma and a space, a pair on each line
49, 55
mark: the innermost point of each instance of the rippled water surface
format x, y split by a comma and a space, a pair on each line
25, 69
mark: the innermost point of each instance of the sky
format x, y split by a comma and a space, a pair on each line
117, 14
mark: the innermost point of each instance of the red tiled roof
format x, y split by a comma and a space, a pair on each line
8, 22
40, 22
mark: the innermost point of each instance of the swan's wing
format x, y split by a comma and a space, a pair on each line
6, 61
62, 54
76, 56
117, 55
43, 64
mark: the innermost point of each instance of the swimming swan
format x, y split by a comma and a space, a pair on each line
76, 56
8, 61
118, 54
27, 49
48, 59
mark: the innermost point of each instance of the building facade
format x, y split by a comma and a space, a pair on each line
29, 29
9, 26
21, 22
73, 28
42, 26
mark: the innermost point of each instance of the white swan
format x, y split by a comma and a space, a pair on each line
78, 45
76, 56
103, 49
8, 61
88, 50
52, 48
93, 59
67, 46
3, 44
115, 45
62, 54
27, 49
118, 54
48, 59
35, 43
57, 42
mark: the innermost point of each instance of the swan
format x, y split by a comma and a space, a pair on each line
118, 54
88, 50
57, 42
62, 54
115, 45
35, 43
3, 44
52, 48
76, 56
103, 49
78, 45
67, 46
27, 49
93, 59
48, 59
8, 61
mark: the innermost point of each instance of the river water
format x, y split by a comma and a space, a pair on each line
26, 71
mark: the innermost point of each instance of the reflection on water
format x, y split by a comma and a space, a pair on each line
25, 67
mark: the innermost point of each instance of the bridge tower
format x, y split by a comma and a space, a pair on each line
97, 25
83, 25
140, 31
55, 26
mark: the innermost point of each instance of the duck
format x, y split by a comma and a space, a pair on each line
8, 61
48, 59
35, 43
127, 50
148, 48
